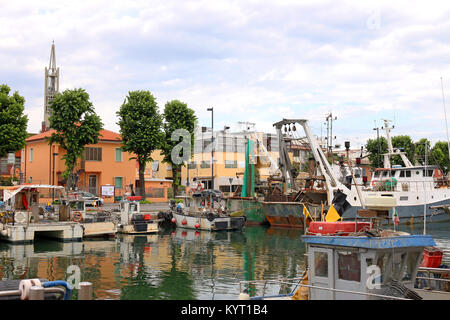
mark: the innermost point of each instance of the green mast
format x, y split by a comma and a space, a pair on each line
248, 187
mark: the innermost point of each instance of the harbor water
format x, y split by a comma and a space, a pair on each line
173, 264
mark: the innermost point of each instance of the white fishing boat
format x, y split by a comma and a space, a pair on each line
204, 211
95, 221
419, 191
135, 221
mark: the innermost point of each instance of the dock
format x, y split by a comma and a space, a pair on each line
26, 233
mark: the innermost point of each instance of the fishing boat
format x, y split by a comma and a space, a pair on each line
133, 220
23, 218
421, 192
288, 190
95, 221
354, 261
245, 198
203, 211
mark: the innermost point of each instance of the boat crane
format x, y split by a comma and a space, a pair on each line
391, 150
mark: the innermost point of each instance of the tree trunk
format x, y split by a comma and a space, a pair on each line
141, 179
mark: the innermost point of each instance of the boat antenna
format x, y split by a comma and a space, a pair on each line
425, 194
445, 114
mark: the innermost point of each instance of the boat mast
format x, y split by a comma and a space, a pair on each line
391, 151
445, 114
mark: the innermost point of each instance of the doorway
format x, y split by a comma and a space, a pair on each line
92, 186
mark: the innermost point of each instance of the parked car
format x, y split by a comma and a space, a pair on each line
89, 196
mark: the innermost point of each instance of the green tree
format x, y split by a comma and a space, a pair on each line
419, 151
76, 124
440, 154
177, 115
372, 149
141, 129
13, 123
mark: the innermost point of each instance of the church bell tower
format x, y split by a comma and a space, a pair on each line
51, 87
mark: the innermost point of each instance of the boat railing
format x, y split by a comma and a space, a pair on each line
297, 283
392, 186
436, 279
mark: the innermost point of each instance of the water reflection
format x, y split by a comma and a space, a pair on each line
175, 264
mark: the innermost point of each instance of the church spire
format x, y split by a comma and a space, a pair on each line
51, 86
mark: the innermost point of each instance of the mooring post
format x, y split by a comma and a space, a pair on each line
85, 292
36, 293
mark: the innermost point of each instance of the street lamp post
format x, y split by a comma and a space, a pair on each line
212, 155
212, 147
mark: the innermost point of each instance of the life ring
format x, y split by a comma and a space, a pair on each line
374, 182
20, 217
77, 216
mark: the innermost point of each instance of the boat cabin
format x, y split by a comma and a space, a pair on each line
400, 178
362, 264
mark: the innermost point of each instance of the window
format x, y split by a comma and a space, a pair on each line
118, 182
321, 264
155, 166
385, 174
93, 154
23, 156
118, 155
192, 165
377, 174
230, 164
402, 173
349, 266
205, 164
408, 174
31, 154
403, 198
269, 144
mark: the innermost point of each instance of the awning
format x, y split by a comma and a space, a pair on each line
8, 194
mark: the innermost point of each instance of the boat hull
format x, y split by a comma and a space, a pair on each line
252, 210
285, 214
202, 223
411, 213
143, 229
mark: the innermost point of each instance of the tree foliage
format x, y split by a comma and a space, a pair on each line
177, 115
440, 154
76, 124
141, 129
13, 123
415, 151
375, 157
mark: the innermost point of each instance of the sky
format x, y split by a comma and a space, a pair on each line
252, 61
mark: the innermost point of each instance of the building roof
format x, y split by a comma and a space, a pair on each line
105, 135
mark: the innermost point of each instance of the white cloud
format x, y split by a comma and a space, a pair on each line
251, 60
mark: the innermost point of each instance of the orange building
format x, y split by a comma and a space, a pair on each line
102, 167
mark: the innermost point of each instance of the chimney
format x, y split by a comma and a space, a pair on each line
43, 127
